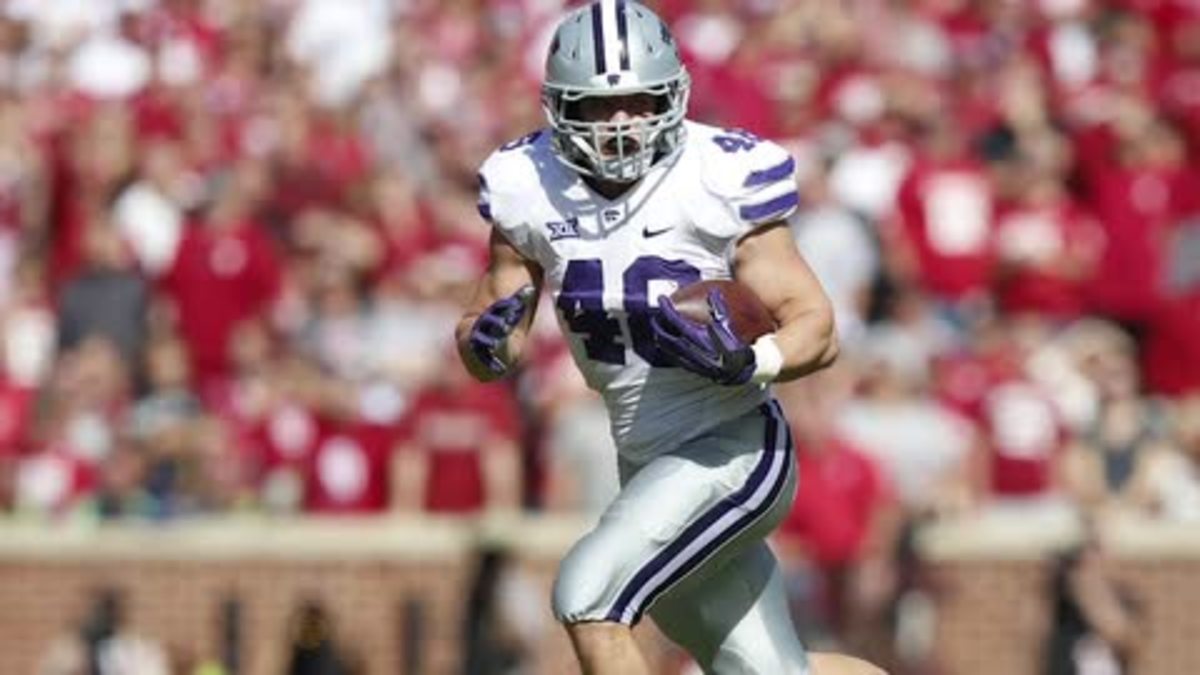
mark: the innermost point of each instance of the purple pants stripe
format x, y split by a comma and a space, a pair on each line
714, 528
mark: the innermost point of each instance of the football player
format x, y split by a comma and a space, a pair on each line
617, 203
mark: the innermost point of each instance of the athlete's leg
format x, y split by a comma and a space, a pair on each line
734, 620
840, 664
606, 648
674, 515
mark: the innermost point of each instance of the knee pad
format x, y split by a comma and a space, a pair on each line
585, 583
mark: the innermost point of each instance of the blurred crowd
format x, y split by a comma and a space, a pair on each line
235, 236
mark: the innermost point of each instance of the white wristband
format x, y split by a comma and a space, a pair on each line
768, 360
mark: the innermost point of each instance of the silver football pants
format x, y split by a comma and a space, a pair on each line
684, 541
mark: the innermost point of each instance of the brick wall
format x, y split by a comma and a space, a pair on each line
992, 615
180, 604
991, 609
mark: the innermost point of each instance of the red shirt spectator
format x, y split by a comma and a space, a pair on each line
1025, 435
969, 33
842, 493
455, 430
1178, 81
1046, 252
156, 113
1018, 421
961, 381
16, 404
319, 161
53, 481
1136, 207
221, 276
69, 214
945, 210
851, 91
283, 442
1172, 351
402, 219
339, 154
349, 469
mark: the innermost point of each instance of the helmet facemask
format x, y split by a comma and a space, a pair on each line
620, 152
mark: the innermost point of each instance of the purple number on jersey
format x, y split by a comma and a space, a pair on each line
637, 301
581, 305
735, 140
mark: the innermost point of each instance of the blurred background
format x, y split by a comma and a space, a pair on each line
235, 236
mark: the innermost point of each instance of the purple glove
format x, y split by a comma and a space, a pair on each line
713, 351
495, 324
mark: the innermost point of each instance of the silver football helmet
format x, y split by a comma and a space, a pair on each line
614, 48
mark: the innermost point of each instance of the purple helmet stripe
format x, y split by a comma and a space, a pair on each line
598, 39
623, 34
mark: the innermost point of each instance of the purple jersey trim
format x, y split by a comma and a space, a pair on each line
775, 207
775, 173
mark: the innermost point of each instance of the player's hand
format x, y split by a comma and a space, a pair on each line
712, 350
494, 325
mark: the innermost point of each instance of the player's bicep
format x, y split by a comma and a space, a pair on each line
768, 262
508, 271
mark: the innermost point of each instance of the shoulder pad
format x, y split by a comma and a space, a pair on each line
505, 178
509, 171
754, 177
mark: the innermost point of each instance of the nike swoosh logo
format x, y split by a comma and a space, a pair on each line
648, 233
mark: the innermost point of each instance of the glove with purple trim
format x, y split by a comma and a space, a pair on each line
494, 326
713, 351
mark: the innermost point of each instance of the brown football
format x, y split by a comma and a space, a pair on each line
748, 315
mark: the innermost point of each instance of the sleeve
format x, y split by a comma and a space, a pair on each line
754, 179
499, 201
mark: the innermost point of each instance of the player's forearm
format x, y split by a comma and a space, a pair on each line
807, 342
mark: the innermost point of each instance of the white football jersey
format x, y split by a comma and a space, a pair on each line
606, 263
